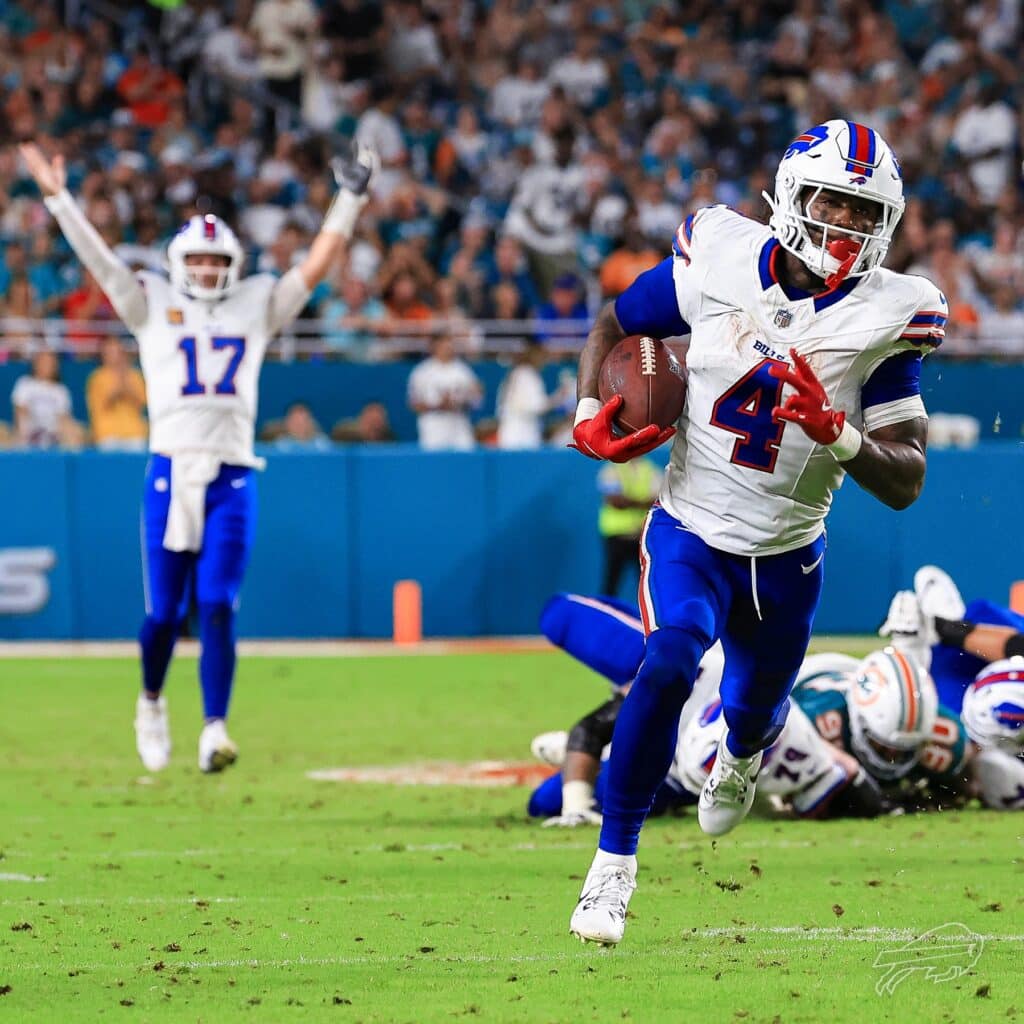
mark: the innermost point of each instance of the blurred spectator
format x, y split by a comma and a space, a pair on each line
1001, 330
523, 401
231, 51
582, 74
349, 321
87, 303
442, 390
20, 310
510, 268
626, 263
299, 431
371, 426
518, 97
544, 211
284, 32
147, 89
355, 29
42, 406
402, 299
563, 321
412, 49
985, 136
15, 264
115, 395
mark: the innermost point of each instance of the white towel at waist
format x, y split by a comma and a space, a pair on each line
191, 474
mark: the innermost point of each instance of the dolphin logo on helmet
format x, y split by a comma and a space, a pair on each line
893, 706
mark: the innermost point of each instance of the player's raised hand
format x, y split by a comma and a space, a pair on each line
596, 439
49, 176
810, 407
355, 171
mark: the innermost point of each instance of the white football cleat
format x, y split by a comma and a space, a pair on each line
152, 733
938, 597
550, 747
600, 914
216, 748
728, 792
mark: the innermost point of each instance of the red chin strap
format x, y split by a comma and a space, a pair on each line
846, 250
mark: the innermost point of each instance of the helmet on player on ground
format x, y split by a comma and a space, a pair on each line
205, 236
893, 706
837, 156
993, 711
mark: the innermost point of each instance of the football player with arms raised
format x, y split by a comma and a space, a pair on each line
202, 337
804, 365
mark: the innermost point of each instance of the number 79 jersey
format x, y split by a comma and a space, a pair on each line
744, 481
201, 362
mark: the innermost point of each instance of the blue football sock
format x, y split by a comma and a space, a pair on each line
157, 642
645, 735
217, 657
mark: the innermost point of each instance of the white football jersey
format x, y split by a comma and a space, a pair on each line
801, 767
202, 361
743, 481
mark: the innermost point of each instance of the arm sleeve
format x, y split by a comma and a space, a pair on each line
119, 284
287, 298
649, 305
892, 393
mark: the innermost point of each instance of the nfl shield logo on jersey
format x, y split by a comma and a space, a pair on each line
783, 318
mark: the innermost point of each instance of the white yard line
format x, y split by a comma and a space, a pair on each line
822, 936
281, 648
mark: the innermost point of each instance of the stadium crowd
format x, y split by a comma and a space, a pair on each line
535, 157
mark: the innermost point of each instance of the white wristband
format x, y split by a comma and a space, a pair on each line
577, 796
586, 409
847, 444
343, 212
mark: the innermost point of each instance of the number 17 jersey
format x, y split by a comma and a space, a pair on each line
744, 481
201, 362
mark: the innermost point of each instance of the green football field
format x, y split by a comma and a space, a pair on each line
263, 895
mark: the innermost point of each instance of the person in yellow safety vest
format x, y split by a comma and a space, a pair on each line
628, 489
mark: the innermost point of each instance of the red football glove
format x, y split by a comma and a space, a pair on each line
596, 439
809, 408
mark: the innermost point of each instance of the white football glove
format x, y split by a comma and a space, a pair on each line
574, 819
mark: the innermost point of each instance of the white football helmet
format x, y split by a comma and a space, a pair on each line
893, 705
205, 235
993, 711
837, 156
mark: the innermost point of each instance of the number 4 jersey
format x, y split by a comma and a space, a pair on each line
201, 361
744, 481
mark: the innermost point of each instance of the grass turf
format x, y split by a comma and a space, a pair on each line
260, 895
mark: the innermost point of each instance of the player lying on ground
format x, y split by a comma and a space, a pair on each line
803, 366
202, 338
809, 775
975, 653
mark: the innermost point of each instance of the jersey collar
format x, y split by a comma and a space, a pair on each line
767, 268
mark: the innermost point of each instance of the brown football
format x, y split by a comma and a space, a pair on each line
650, 379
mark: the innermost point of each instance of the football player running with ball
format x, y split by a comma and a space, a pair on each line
202, 338
804, 365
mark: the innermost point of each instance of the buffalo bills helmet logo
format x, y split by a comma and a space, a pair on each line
809, 140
